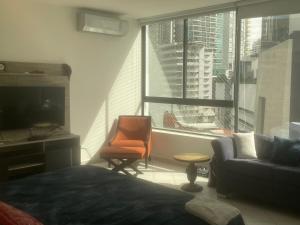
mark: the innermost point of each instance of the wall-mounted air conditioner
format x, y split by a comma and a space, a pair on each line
100, 22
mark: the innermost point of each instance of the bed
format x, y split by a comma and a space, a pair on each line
90, 195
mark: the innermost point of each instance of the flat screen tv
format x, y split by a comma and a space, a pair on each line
23, 107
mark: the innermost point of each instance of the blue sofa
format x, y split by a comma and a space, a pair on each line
259, 178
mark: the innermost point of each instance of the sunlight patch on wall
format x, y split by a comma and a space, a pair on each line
124, 97
125, 94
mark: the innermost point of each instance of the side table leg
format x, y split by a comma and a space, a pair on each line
191, 172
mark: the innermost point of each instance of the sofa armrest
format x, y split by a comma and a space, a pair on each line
223, 149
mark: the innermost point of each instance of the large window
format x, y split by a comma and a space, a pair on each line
197, 78
189, 73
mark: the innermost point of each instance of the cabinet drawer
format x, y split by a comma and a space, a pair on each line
61, 144
58, 158
13, 151
28, 158
23, 165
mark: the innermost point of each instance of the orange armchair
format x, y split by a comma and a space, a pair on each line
131, 142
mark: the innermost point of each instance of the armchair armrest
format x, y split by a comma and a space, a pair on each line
223, 149
148, 136
112, 139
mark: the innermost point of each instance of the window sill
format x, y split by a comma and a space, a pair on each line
186, 134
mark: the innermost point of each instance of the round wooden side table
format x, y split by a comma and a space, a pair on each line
191, 169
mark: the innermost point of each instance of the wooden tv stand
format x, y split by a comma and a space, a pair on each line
25, 158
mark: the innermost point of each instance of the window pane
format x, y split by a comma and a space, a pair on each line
211, 46
207, 120
164, 59
269, 74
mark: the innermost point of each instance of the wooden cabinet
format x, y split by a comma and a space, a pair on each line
26, 158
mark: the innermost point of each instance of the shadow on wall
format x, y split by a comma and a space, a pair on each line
124, 98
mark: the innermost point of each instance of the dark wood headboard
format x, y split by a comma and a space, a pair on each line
7, 67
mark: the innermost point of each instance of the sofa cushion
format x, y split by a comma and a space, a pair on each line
122, 153
286, 174
264, 147
224, 149
245, 145
250, 167
286, 152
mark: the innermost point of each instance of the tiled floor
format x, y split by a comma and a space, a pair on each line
174, 176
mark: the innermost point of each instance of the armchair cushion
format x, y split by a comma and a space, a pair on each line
127, 143
123, 153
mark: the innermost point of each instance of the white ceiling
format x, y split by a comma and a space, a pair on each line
138, 8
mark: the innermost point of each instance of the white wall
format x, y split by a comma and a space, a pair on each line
167, 144
106, 70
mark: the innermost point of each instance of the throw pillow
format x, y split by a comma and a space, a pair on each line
9, 215
245, 145
264, 147
286, 152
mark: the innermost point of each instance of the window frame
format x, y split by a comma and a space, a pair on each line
242, 10
182, 100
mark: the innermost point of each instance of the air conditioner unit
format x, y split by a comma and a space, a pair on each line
99, 22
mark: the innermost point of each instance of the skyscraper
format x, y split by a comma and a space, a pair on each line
275, 29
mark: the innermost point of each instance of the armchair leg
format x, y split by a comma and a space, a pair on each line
149, 158
146, 163
124, 163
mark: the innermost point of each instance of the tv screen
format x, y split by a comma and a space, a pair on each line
23, 107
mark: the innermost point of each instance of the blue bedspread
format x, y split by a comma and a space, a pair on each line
89, 195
